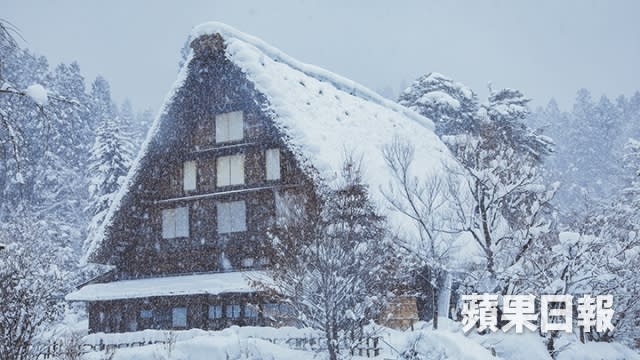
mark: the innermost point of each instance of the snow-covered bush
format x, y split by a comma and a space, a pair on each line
31, 289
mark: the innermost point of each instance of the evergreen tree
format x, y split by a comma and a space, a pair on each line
632, 189
632, 120
143, 122
451, 105
130, 128
588, 160
507, 110
110, 158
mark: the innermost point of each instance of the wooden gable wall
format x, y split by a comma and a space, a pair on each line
187, 133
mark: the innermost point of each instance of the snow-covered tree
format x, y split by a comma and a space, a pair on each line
588, 157
503, 204
130, 128
420, 197
31, 288
111, 155
44, 181
632, 162
507, 110
598, 256
497, 191
621, 233
142, 125
332, 262
451, 105
26, 103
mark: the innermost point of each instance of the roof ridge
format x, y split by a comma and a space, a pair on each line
340, 82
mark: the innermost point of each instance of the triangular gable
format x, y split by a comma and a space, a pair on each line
320, 114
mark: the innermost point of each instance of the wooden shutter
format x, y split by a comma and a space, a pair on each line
272, 160
222, 128
238, 212
189, 175
223, 171
223, 217
182, 222
236, 126
236, 169
168, 224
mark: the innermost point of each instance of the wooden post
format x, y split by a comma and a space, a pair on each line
376, 349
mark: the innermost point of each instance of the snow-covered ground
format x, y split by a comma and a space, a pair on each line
269, 343
232, 343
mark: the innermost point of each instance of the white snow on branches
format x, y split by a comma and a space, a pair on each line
38, 94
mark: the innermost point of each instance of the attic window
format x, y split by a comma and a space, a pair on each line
229, 126
189, 176
175, 223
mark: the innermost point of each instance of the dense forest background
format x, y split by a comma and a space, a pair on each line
63, 156
590, 143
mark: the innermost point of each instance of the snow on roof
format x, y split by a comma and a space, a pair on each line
322, 115
262, 50
201, 284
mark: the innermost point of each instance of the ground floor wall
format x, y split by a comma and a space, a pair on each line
208, 312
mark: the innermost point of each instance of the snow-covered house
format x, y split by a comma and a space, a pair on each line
243, 126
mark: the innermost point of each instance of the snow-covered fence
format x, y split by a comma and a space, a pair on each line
366, 347
49, 351
53, 350
369, 346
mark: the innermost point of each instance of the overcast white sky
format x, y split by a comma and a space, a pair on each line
545, 48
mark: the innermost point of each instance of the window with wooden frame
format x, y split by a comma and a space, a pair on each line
271, 311
146, 314
272, 163
162, 318
175, 223
251, 311
179, 317
233, 311
229, 126
232, 217
230, 170
215, 312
